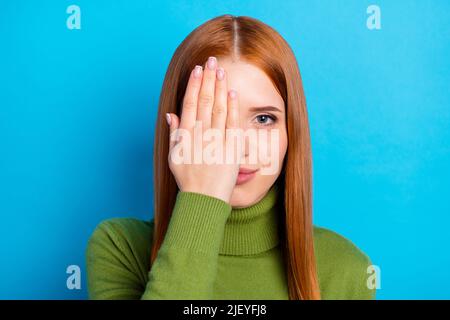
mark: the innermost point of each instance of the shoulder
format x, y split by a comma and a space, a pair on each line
124, 228
118, 258
122, 234
332, 244
121, 241
342, 266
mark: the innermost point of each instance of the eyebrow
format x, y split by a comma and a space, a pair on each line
265, 108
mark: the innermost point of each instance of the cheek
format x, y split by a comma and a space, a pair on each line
277, 143
283, 145
270, 147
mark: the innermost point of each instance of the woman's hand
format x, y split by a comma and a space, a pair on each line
207, 104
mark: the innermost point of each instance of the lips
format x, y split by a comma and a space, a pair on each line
246, 171
245, 175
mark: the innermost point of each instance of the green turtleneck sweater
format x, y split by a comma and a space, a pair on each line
214, 251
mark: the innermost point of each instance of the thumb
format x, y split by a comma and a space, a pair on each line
173, 122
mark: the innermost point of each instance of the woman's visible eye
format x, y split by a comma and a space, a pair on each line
265, 119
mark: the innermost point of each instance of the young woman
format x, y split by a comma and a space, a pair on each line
229, 229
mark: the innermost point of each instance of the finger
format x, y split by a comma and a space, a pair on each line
233, 131
233, 110
173, 122
190, 100
206, 95
219, 112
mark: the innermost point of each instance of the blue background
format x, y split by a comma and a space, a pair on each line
77, 118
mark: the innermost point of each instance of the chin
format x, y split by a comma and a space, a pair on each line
247, 194
242, 196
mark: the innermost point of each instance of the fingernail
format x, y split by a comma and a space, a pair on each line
198, 71
212, 62
169, 119
220, 74
232, 94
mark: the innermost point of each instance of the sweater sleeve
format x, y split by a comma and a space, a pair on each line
186, 264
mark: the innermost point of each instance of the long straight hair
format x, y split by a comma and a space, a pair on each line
247, 39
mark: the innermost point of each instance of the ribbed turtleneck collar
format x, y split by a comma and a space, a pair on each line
253, 229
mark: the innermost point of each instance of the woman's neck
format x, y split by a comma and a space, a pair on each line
253, 229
